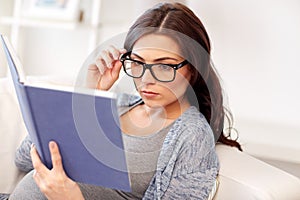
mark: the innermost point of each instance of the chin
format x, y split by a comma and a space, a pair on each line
153, 103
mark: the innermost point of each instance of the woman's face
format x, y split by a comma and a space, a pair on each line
154, 48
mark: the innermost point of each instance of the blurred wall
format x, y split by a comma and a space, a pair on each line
255, 47
5, 9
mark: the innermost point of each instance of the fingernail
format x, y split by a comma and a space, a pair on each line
32, 145
52, 144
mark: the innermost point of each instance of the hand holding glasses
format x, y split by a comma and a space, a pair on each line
105, 71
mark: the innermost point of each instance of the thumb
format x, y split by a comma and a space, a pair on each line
116, 69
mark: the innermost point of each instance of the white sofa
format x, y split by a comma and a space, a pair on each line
241, 176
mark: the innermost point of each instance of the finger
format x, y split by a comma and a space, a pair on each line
114, 52
55, 157
93, 67
101, 65
37, 163
92, 76
40, 182
36, 177
92, 72
107, 59
122, 51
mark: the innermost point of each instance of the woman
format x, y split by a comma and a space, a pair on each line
169, 131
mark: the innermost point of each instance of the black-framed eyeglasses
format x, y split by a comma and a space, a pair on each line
161, 72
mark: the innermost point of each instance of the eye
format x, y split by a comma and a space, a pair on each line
163, 67
135, 63
131, 63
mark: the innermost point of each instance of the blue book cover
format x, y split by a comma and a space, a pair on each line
84, 124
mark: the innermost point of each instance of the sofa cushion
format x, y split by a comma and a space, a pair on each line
244, 177
12, 131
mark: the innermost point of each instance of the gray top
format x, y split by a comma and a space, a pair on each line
141, 155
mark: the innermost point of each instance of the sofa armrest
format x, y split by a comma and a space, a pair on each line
245, 177
12, 131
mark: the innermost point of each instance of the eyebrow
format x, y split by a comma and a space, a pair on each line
156, 60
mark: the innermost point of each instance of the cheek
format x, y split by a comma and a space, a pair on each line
171, 90
137, 82
179, 85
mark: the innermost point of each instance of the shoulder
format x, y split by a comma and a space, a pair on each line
195, 139
189, 138
196, 145
194, 126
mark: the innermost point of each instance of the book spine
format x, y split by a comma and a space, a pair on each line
28, 118
22, 95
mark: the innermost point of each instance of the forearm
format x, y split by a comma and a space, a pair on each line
191, 186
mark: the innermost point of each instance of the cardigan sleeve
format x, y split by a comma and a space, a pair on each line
22, 156
192, 168
188, 165
196, 167
194, 185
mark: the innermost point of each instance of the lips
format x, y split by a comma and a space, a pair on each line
149, 94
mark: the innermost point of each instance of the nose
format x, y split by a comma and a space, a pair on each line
147, 77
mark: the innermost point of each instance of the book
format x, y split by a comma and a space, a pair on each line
84, 123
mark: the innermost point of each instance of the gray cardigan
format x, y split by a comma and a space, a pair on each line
187, 166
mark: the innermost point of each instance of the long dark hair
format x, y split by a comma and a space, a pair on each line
180, 23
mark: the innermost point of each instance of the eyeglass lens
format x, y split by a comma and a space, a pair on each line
160, 71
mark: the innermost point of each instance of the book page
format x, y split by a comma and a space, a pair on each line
17, 62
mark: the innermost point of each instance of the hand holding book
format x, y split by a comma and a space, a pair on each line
53, 181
